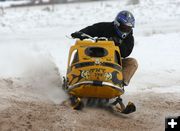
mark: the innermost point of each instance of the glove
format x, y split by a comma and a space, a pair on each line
79, 35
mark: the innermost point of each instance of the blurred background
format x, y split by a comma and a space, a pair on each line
40, 2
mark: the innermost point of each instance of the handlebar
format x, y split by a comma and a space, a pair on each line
82, 36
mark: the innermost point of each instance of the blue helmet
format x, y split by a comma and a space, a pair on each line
124, 22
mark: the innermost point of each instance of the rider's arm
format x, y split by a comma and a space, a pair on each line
127, 46
93, 30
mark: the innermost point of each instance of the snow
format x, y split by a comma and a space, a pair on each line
9, 3
36, 40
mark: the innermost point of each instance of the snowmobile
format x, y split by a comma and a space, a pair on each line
94, 75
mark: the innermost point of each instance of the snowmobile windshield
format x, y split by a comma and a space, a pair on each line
96, 52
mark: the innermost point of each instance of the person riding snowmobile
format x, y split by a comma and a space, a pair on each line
121, 32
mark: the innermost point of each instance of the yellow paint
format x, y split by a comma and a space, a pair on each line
95, 72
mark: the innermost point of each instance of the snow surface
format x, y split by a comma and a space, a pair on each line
5, 4
34, 41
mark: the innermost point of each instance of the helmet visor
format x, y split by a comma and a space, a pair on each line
124, 28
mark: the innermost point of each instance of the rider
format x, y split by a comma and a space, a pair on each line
121, 32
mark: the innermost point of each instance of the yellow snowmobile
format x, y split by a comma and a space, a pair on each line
94, 73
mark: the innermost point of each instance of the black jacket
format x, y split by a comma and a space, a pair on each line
107, 29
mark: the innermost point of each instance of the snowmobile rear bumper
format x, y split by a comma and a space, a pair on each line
97, 83
95, 89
